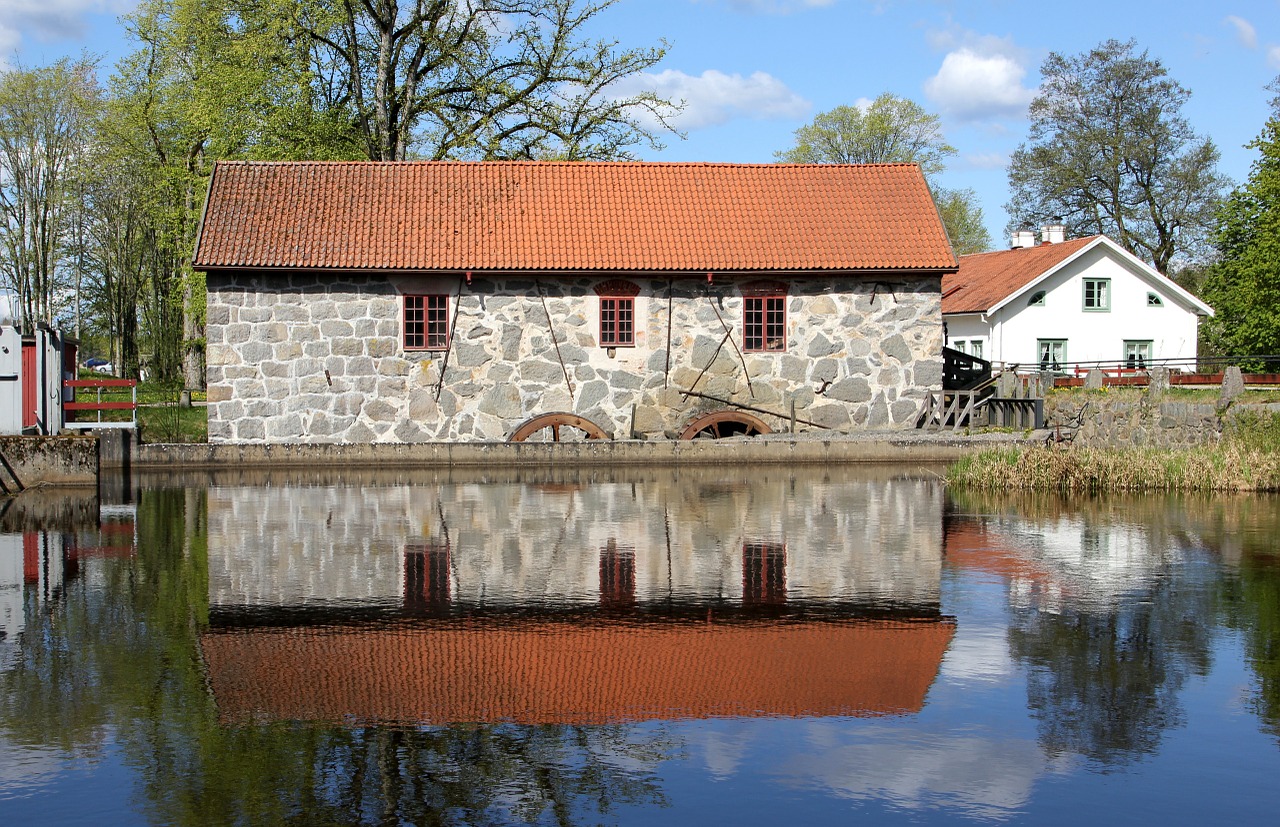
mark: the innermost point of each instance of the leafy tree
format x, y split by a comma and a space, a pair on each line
46, 122
473, 78
1110, 151
1243, 286
893, 130
962, 216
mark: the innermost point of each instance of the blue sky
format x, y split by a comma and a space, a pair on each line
752, 71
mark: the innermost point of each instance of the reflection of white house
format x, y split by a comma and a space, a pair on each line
1068, 302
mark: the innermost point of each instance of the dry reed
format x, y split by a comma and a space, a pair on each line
1230, 465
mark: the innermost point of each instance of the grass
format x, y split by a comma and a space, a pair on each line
1247, 458
160, 418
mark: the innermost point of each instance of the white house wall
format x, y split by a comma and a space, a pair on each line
319, 358
1013, 332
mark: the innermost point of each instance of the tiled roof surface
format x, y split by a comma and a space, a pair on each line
560, 216
543, 672
986, 279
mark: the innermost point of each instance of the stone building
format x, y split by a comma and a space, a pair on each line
412, 302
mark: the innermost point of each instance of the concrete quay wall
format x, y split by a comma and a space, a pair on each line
904, 448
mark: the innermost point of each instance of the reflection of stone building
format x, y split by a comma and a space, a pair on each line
687, 539
680, 597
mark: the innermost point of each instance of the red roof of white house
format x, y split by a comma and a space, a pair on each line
571, 217
986, 279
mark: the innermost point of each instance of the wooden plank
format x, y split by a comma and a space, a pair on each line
98, 406
100, 383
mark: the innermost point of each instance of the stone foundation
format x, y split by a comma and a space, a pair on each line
307, 358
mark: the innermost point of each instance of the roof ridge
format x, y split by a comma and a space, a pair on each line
631, 164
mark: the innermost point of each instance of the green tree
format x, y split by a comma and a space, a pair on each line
1110, 151
46, 124
1243, 285
476, 79
890, 130
962, 216
894, 130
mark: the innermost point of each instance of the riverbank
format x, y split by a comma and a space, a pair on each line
1245, 458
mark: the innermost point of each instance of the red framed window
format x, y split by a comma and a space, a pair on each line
617, 313
764, 573
617, 321
764, 323
426, 322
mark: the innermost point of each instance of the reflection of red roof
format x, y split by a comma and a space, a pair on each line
548, 216
537, 672
969, 545
986, 279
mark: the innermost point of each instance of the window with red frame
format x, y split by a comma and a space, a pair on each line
617, 321
426, 322
617, 312
764, 323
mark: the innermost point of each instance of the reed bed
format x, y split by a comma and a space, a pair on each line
1231, 465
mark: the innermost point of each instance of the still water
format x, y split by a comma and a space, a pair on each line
637, 647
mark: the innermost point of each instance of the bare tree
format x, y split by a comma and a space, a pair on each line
46, 121
478, 78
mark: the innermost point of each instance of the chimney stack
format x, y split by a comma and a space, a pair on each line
1054, 232
1022, 239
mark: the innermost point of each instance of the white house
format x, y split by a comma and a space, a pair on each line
1084, 302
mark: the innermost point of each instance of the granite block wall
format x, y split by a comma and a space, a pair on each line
319, 357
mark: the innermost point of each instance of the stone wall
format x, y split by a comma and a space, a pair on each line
318, 358
1136, 418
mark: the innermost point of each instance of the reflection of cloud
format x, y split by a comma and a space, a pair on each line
25, 766
724, 752
714, 97
981, 776
1245, 32
977, 655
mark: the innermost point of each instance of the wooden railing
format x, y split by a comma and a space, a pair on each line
71, 410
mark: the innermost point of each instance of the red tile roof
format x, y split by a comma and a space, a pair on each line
986, 279
547, 672
562, 216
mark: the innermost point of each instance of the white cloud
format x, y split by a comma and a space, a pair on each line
1273, 57
980, 78
1245, 32
985, 160
50, 20
714, 97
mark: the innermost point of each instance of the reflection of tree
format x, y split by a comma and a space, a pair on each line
1254, 608
1105, 684
121, 655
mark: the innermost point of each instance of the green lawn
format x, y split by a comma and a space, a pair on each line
159, 417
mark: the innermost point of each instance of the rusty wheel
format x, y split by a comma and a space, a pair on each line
726, 423
559, 427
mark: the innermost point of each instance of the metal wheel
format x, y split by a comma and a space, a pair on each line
558, 427
725, 423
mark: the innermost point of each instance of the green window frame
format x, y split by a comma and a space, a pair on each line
1097, 295
1137, 352
1036, 300
1154, 300
1053, 353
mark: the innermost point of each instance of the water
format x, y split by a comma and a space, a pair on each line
656, 646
